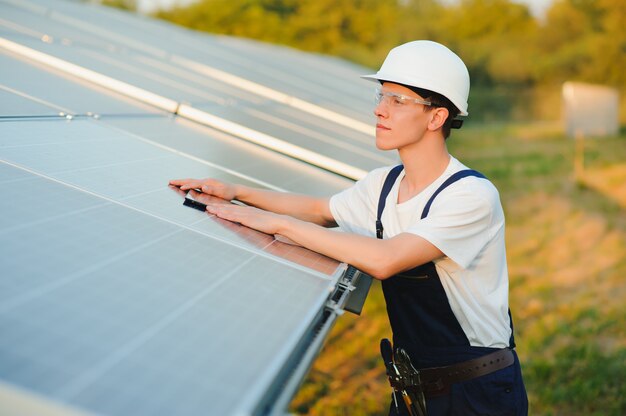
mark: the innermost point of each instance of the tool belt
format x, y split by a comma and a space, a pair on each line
436, 381
417, 385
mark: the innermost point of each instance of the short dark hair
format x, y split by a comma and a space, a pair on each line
439, 100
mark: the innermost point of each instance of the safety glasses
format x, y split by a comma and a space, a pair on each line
396, 100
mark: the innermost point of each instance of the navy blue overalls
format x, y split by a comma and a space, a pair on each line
424, 325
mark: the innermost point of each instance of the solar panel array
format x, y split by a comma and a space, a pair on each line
114, 297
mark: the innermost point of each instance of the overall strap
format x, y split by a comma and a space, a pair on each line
389, 181
455, 177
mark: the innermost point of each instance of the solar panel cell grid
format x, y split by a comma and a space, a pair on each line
12, 105
95, 309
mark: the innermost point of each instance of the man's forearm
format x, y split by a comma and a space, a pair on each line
303, 207
379, 258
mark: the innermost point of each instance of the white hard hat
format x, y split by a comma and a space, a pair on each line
430, 66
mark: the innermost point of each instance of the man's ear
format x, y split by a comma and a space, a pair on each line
437, 117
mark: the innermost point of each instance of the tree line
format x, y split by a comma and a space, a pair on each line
500, 40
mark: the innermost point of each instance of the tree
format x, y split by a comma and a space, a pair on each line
495, 38
584, 40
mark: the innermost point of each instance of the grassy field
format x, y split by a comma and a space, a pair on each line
566, 247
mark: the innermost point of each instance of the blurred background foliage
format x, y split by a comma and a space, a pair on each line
566, 234
517, 61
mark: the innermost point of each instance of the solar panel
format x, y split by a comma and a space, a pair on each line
15, 105
138, 306
115, 298
329, 81
214, 75
113, 110
34, 84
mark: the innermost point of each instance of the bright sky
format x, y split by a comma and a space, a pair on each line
537, 7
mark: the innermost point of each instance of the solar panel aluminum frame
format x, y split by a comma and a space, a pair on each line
349, 295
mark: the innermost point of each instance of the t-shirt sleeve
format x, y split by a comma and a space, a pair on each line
354, 208
459, 222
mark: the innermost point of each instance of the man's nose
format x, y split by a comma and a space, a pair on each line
381, 109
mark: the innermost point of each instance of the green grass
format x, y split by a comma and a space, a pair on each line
567, 258
566, 247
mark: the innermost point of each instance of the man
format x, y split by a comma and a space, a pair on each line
431, 230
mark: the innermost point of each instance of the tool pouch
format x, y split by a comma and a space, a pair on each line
403, 378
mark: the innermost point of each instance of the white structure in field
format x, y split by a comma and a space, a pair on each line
590, 110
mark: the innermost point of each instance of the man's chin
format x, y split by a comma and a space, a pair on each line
384, 146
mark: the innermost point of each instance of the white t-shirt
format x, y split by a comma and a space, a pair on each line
466, 223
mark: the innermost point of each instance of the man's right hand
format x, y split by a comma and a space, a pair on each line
209, 186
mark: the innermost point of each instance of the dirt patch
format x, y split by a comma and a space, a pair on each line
609, 181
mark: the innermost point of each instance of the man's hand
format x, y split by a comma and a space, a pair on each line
209, 186
258, 219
